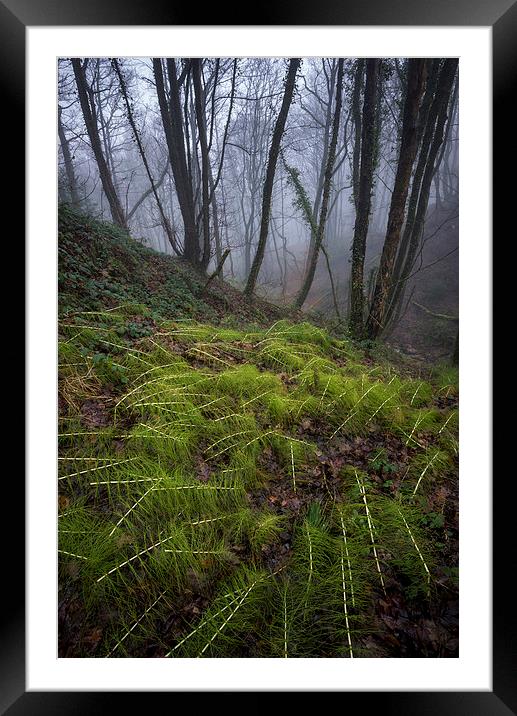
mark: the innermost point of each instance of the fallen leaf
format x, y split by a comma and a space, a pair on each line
203, 471
94, 637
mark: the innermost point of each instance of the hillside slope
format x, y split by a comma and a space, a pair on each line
100, 266
232, 484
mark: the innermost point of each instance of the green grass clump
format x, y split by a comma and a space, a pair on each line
246, 381
446, 379
301, 333
265, 529
319, 609
281, 356
169, 434
234, 622
428, 467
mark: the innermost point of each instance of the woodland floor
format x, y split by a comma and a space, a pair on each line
246, 485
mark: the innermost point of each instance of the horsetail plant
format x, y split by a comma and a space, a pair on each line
208, 477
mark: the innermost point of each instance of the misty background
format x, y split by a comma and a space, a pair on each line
228, 109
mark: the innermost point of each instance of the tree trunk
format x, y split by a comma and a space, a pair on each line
117, 212
67, 157
101, 122
408, 148
294, 64
165, 220
212, 199
148, 191
311, 268
363, 200
427, 123
443, 94
321, 176
446, 144
356, 114
215, 214
173, 127
213, 184
444, 158
201, 126
192, 247
438, 197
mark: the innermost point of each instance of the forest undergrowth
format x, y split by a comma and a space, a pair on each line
250, 493
264, 490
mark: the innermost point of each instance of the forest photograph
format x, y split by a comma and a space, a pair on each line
258, 347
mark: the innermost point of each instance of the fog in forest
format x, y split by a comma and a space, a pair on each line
362, 220
258, 397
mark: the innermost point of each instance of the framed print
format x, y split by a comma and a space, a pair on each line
40, 674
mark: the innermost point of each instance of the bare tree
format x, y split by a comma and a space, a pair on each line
172, 119
165, 220
311, 266
205, 165
294, 64
324, 104
90, 120
255, 115
191, 147
215, 182
67, 158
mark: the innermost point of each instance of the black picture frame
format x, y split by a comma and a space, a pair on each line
501, 15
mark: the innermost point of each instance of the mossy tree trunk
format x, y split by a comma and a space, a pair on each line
356, 116
426, 124
425, 171
364, 195
416, 77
